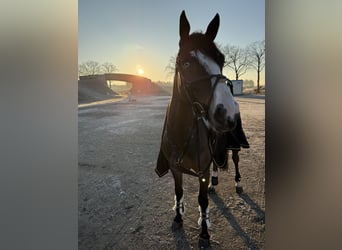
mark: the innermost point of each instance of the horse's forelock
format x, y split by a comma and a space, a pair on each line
199, 41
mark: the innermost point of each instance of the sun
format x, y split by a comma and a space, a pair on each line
140, 71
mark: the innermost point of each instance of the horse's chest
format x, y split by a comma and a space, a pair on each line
188, 151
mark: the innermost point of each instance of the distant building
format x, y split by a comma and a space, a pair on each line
237, 87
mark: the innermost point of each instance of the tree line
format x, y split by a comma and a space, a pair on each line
93, 68
237, 59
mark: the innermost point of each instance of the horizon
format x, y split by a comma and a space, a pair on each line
139, 36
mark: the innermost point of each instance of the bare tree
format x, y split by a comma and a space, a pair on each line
171, 66
81, 70
108, 67
89, 68
256, 53
236, 59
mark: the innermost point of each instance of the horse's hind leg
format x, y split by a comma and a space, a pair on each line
214, 178
179, 205
204, 210
238, 186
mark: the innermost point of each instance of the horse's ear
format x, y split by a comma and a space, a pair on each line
213, 27
184, 26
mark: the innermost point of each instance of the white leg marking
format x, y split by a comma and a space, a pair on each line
206, 217
215, 174
238, 184
179, 205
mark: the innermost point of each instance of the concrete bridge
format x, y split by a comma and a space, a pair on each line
140, 84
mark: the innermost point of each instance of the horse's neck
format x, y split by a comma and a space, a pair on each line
180, 113
180, 118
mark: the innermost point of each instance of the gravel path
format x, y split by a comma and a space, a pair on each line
123, 204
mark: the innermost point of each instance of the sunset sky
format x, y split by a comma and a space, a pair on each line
136, 34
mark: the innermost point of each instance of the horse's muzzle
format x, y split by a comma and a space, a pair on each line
223, 123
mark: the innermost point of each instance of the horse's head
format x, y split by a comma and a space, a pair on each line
199, 73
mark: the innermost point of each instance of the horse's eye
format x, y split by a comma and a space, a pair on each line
186, 65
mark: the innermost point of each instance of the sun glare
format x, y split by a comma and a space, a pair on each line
140, 71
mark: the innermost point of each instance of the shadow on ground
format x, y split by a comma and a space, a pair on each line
232, 221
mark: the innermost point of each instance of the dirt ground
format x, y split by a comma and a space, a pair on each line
123, 204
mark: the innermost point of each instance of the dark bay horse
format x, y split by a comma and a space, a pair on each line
201, 108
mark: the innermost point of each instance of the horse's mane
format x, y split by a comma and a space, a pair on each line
199, 41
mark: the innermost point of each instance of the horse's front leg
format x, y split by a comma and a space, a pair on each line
179, 204
238, 185
204, 210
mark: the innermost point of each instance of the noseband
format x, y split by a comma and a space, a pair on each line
199, 108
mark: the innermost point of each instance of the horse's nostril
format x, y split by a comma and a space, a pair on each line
220, 117
220, 112
219, 106
231, 123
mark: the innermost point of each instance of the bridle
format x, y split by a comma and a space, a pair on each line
200, 113
199, 108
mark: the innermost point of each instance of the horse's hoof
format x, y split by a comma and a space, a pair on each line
239, 190
214, 180
211, 190
238, 187
177, 225
204, 244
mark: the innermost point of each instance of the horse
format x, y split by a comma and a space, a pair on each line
201, 109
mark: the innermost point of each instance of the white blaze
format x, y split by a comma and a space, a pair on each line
222, 94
